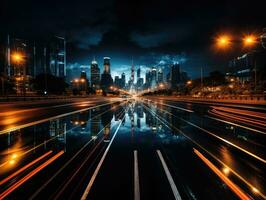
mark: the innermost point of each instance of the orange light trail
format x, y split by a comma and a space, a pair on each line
28, 176
255, 123
226, 180
243, 112
24, 168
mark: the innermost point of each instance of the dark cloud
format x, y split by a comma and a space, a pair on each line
126, 28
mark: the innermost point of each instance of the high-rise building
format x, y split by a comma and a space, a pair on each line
95, 75
106, 79
106, 65
160, 76
132, 72
175, 75
138, 73
123, 80
117, 82
56, 53
148, 79
153, 77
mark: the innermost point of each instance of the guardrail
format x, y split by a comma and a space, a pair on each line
34, 98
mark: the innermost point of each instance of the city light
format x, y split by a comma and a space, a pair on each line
226, 171
17, 57
223, 41
189, 82
249, 40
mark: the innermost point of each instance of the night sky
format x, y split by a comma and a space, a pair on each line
151, 32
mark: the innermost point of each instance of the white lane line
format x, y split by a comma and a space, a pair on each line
136, 177
234, 124
191, 111
88, 188
169, 176
222, 139
52, 118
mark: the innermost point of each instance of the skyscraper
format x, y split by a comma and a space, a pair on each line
175, 75
160, 76
138, 73
106, 65
57, 56
123, 80
153, 77
106, 79
95, 75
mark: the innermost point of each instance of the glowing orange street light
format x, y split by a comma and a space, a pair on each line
249, 40
17, 57
82, 80
189, 82
223, 41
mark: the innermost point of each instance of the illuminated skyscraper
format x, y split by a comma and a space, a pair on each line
175, 75
106, 79
106, 65
95, 75
160, 76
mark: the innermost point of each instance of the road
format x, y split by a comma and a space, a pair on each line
142, 148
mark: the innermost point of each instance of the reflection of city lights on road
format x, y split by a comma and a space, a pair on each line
13, 156
255, 190
12, 162
226, 171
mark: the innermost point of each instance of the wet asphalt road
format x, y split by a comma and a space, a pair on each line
137, 149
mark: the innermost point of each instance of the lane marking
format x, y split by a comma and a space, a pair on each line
51, 118
69, 161
213, 156
169, 177
222, 139
28, 176
227, 104
191, 111
25, 167
226, 180
88, 188
234, 124
136, 177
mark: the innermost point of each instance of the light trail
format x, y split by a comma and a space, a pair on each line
24, 168
78, 169
52, 118
169, 176
234, 124
64, 166
242, 112
226, 180
180, 108
252, 122
88, 188
136, 177
224, 140
169, 126
45, 142
28, 176
214, 103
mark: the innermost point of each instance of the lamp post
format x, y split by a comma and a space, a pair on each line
248, 41
17, 60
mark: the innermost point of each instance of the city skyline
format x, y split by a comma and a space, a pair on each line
109, 28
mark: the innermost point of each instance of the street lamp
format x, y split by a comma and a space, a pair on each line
249, 40
17, 57
223, 41
189, 82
